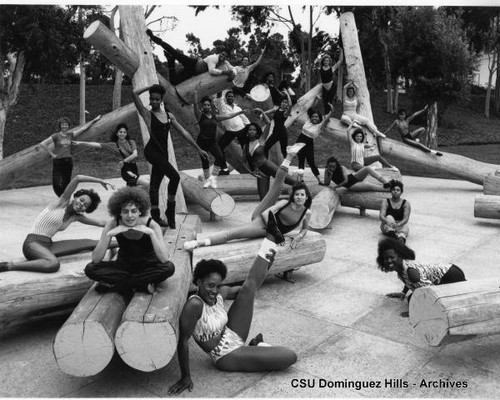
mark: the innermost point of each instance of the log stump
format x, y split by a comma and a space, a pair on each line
491, 184
487, 206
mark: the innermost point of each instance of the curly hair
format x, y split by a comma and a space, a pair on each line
114, 135
393, 244
61, 120
311, 111
301, 186
206, 98
322, 61
95, 200
157, 88
395, 183
257, 127
127, 195
357, 131
206, 267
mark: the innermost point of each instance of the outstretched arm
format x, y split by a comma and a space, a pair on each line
196, 104
141, 109
416, 114
65, 197
85, 128
256, 63
187, 136
266, 119
390, 127
339, 62
327, 117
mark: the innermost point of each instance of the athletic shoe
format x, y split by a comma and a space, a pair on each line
273, 230
189, 245
295, 148
224, 172
208, 182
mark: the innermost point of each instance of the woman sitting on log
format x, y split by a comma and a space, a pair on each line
38, 247
395, 256
395, 213
222, 335
350, 103
358, 146
142, 259
342, 177
159, 122
326, 73
287, 214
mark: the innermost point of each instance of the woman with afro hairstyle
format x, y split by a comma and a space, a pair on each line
142, 260
159, 122
222, 335
39, 249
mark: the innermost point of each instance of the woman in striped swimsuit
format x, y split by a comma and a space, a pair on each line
39, 249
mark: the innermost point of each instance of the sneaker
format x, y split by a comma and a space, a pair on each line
295, 148
208, 182
224, 172
214, 181
273, 230
190, 245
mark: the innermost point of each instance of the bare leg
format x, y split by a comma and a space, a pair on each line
417, 132
379, 158
365, 171
40, 259
420, 146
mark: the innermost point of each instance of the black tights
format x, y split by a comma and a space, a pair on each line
307, 153
211, 146
61, 174
160, 168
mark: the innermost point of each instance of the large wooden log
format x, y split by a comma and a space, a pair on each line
363, 200
462, 308
148, 333
322, 208
239, 255
487, 206
84, 345
212, 200
491, 184
21, 163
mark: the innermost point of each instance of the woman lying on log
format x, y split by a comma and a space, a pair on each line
286, 214
342, 177
395, 256
39, 249
159, 122
142, 260
350, 103
222, 335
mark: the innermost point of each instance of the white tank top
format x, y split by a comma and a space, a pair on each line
358, 153
50, 221
350, 106
212, 321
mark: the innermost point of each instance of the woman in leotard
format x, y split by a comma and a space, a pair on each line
395, 256
206, 140
222, 335
142, 260
358, 146
62, 163
326, 73
38, 247
342, 177
291, 214
310, 131
395, 213
279, 133
350, 111
158, 122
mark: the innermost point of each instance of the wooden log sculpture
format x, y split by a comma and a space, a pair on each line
212, 200
462, 308
322, 208
84, 345
491, 184
148, 333
239, 255
487, 207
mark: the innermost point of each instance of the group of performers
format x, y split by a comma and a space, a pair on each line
136, 225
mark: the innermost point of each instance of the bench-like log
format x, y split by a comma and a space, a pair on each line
213, 200
84, 345
491, 184
322, 208
363, 200
487, 206
462, 308
148, 333
239, 255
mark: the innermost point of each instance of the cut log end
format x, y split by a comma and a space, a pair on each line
223, 205
93, 27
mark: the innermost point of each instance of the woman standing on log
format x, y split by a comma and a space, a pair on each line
351, 105
222, 335
287, 215
142, 259
395, 256
326, 73
279, 133
159, 123
39, 249
395, 213
341, 176
62, 163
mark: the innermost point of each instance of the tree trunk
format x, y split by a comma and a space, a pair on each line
395, 104
3, 120
492, 69
82, 92
117, 88
432, 125
497, 83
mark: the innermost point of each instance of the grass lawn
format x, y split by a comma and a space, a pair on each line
463, 130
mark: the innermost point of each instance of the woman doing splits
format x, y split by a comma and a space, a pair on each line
142, 260
395, 256
222, 335
342, 178
287, 214
326, 73
395, 213
159, 122
39, 249
350, 112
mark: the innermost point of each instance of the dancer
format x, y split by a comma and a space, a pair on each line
124, 146
395, 256
142, 260
342, 177
222, 335
242, 73
395, 213
62, 163
351, 104
38, 247
158, 123
357, 141
279, 133
402, 124
276, 94
289, 214
310, 131
207, 121
326, 73
215, 64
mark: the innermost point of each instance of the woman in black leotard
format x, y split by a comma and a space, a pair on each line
159, 122
142, 259
279, 133
326, 73
395, 213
